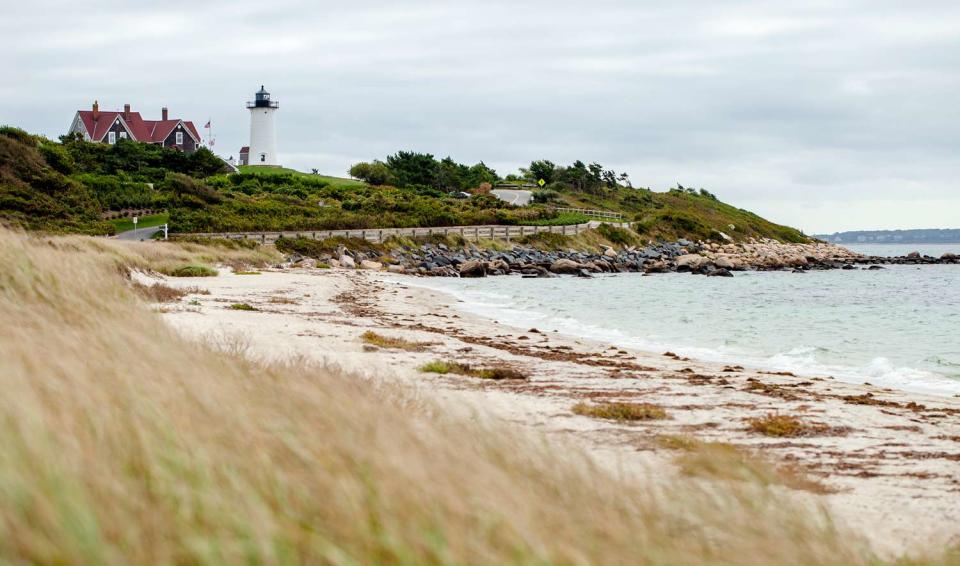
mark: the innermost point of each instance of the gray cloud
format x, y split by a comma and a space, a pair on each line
821, 116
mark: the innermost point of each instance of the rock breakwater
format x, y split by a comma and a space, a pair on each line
683, 256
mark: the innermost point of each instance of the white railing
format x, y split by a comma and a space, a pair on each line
593, 212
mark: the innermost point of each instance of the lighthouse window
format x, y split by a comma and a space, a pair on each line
179, 138
263, 157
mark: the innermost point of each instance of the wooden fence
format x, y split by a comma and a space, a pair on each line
593, 213
493, 232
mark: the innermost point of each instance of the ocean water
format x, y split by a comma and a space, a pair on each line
898, 327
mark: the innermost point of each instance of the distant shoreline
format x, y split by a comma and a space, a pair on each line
916, 236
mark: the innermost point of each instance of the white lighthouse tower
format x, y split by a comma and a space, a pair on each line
263, 134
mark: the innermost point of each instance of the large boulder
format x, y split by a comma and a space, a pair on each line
371, 265
564, 265
691, 262
725, 262
396, 269
473, 268
949, 257
609, 252
347, 261
656, 266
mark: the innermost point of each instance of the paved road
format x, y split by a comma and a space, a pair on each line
139, 234
519, 198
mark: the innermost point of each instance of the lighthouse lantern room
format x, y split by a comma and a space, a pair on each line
263, 134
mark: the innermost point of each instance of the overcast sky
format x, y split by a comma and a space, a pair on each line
827, 116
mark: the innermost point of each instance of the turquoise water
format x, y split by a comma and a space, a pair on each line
898, 327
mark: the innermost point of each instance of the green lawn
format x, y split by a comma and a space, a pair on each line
126, 224
334, 181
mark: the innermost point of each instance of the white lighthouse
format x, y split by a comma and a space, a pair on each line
263, 134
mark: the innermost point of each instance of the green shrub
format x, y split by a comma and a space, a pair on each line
546, 196
546, 241
190, 271
242, 307
618, 235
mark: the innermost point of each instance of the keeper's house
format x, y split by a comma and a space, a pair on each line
108, 127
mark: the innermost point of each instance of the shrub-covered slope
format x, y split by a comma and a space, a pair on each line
66, 186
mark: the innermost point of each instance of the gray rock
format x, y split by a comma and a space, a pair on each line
719, 273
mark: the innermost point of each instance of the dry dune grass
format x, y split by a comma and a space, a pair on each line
122, 443
164, 257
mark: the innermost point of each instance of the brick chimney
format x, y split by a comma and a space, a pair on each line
163, 113
96, 110
126, 112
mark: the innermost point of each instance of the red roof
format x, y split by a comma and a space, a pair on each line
140, 130
245, 149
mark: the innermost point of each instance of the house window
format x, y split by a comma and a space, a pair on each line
112, 137
179, 138
123, 135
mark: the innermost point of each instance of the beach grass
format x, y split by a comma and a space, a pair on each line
163, 293
722, 461
621, 411
494, 373
780, 425
392, 343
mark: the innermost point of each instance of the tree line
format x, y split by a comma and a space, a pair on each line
412, 169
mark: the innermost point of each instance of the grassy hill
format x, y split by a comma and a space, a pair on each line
65, 186
333, 181
682, 213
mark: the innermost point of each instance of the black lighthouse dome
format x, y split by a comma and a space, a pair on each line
262, 100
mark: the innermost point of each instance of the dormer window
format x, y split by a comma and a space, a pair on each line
179, 138
112, 137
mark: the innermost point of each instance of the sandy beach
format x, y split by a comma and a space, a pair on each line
887, 462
